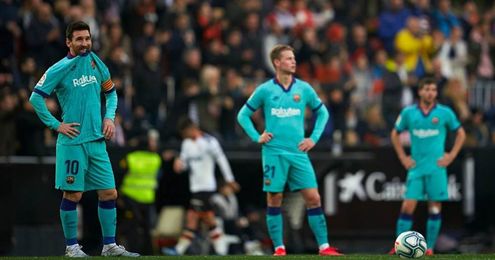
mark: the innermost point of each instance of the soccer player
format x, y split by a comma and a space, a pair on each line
284, 147
427, 123
82, 161
199, 153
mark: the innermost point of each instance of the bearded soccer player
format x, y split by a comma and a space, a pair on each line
284, 147
428, 123
82, 162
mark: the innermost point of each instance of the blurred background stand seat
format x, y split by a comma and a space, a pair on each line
168, 227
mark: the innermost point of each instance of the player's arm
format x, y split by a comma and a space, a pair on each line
459, 142
322, 116
224, 165
42, 90
460, 137
37, 99
400, 125
244, 118
180, 163
108, 88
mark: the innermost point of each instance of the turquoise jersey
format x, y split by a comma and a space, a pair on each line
284, 111
78, 82
428, 133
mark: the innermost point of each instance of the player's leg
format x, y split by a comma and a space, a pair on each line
107, 214
188, 233
215, 234
437, 191
274, 221
69, 219
414, 191
70, 171
302, 177
433, 224
100, 177
275, 171
405, 219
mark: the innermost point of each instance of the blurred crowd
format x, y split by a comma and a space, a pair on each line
203, 59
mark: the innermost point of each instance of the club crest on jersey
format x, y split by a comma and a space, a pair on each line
93, 64
69, 179
434, 120
297, 97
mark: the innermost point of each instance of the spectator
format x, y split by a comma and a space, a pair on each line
374, 130
30, 130
453, 57
445, 20
149, 86
416, 46
470, 18
252, 40
188, 69
477, 133
43, 39
8, 142
482, 51
391, 21
454, 95
115, 38
422, 10
209, 101
231, 104
9, 29
282, 16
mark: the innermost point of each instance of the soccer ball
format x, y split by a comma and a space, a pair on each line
410, 244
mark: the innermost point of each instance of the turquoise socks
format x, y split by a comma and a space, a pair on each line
404, 223
107, 214
318, 224
274, 223
433, 229
68, 217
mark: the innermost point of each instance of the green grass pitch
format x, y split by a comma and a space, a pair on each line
288, 257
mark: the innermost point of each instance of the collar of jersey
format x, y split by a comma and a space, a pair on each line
275, 80
70, 56
429, 112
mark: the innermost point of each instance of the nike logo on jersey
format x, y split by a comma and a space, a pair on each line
84, 80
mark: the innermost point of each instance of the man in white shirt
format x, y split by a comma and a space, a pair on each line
198, 155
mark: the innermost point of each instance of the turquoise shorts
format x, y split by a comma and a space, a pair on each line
294, 170
83, 167
431, 187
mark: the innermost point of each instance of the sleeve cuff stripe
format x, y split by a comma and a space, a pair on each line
250, 107
41, 93
317, 107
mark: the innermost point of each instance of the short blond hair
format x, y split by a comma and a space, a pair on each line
277, 50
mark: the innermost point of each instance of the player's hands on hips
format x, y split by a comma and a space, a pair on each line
306, 144
178, 165
68, 129
265, 137
407, 162
446, 160
108, 128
